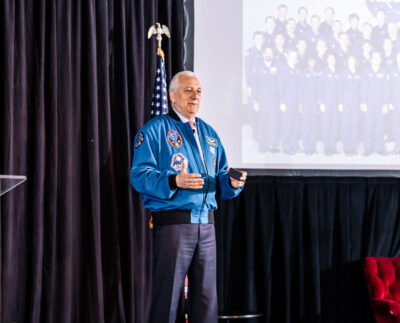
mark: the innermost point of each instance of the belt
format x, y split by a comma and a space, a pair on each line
176, 217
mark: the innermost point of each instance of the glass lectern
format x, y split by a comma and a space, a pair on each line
8, 182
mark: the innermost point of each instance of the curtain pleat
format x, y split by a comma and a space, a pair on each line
292, 247
76, 84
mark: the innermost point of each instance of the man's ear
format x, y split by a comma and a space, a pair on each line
172, 97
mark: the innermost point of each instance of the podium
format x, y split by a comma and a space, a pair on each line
8, 182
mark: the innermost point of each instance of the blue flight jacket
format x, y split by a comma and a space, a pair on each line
160, 148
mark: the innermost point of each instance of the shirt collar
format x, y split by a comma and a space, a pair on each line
183, 119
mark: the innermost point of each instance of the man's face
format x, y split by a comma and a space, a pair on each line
186, 99
321, 46
367, 31
344, 40
381, 17
392, 30
329, 14
315, 23
270, 24
366, 48
352, 62
302, 14
279, 41
258, 40
331, 60
292, 58
354, 22
268, 54
387, 45
337, 27
301, 46
282, 13
291, 26
376, 59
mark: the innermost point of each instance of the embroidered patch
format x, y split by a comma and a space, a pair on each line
212, 141
212, 149
174, 139
177, 161
139, 140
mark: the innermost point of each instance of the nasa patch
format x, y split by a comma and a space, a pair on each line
139, 140
212, 141
174, 139
177, 161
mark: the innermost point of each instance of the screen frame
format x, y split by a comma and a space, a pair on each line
189, 23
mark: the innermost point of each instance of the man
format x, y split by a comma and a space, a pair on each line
302, 25
280, 26
291, 37
334, 39
349, 105
326, 26
269, 31
328, 98
375, 99
379, 32
389, 54
180, 168
265, 115
342, 51
355, 35
313, 34
279, 50
302, 55
253, 57
308, 101
288, 100
321, 54
395, 103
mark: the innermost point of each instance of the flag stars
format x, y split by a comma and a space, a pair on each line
159, 102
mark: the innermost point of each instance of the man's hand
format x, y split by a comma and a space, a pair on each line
236, 183
185, 180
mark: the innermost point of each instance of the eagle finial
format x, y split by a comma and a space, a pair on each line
158, 30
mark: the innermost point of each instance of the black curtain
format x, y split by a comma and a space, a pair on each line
76, 84
292, 248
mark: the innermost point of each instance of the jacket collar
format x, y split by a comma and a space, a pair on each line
173, 115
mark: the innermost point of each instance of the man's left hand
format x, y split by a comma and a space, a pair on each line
238, 183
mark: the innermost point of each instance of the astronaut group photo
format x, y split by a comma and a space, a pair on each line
323, 83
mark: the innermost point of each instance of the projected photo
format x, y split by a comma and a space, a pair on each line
321, 79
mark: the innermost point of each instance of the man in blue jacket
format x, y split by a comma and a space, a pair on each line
180, 168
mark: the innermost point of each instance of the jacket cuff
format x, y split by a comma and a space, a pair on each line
172, 182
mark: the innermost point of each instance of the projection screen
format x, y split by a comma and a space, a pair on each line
301, 84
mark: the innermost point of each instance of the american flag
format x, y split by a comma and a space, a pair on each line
159, 104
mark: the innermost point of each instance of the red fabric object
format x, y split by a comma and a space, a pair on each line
383, 280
